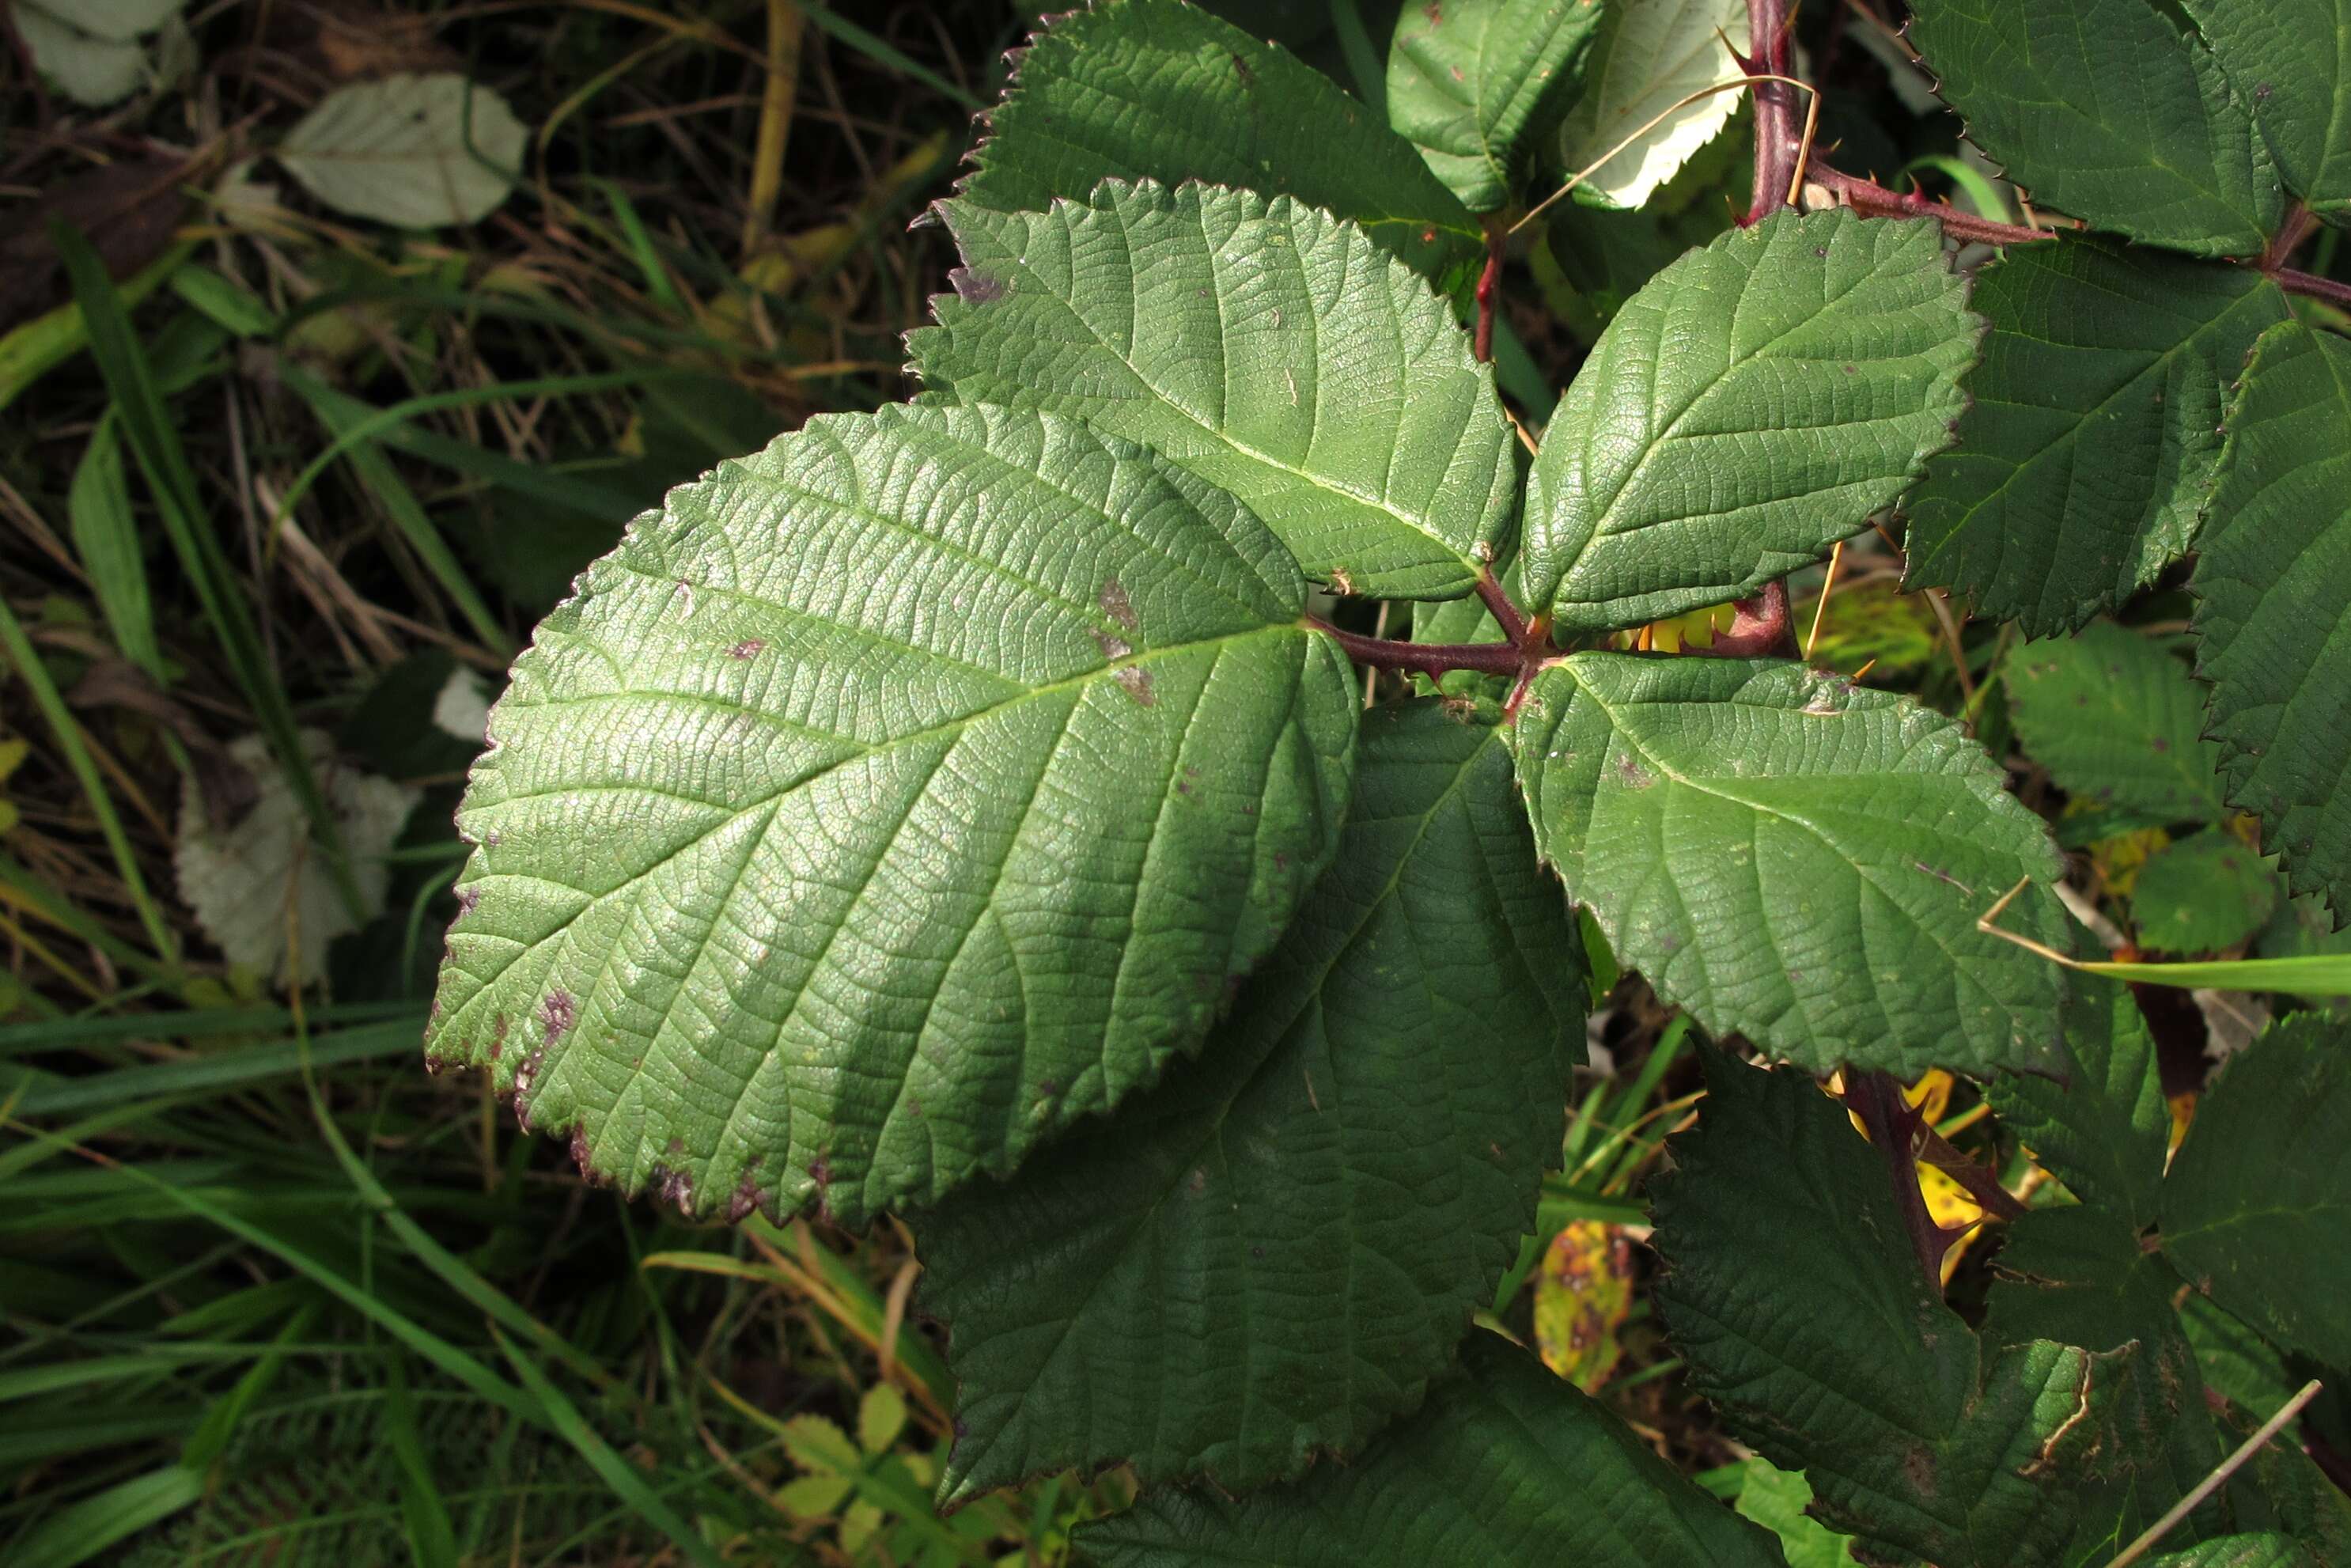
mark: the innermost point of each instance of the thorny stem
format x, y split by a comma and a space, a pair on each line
1775, 111
1874, 200
1430, 659
1893, 1124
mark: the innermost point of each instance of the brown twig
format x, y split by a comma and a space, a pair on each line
1871, 199
1430, 659
1893, 1124
2327, 289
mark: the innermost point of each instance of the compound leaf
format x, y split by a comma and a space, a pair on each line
2087, 457
1160, 89
1651, 55
1273, 1251
1790, 1287
1795, 858
1750, 406
1505, 1463
2258, 1202
2290, 59
2116, 720
1269, 348
2111, 110
1469, 80
2273, 612
2201, 893
2104, 1131
886, 802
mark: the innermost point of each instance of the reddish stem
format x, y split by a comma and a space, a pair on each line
1761, 627
2299, 222
1489, 290
1775, 111
1892, 1123
1874, 200
2327, 289
1498, 604
1431, 659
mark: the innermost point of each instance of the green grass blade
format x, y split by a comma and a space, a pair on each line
79, 1534
213, 1074
156, 444
379, 479
106, 537
2310, 975
52, 704
627, 1482
32, 350
882, 53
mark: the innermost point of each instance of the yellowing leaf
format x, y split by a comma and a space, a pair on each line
1582, 1295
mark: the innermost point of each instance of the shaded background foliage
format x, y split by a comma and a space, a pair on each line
271, 1294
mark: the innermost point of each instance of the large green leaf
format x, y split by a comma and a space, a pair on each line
1795, 858
1269, 348
2077, 1275
2257, 1206
1791, 1289
1275, 1249
2087, 457
886, 802
2290, 59
2103, 1130
2109, 110
2201, 893
1651, 55
1160, 89
2116, 720
1505, 1463
1470, 81
2273, 588
1750, 406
